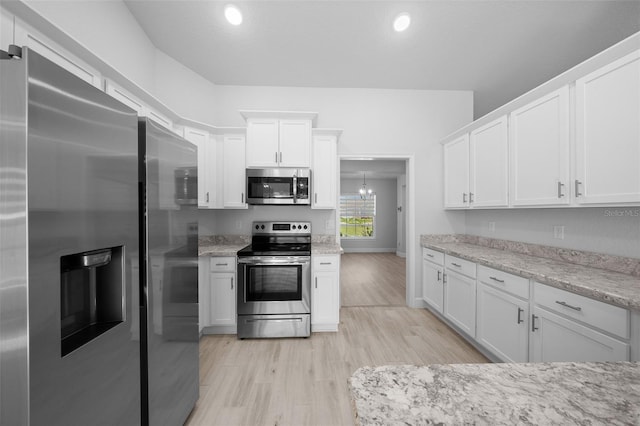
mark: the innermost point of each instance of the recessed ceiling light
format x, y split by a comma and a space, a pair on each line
402, 22
233, 15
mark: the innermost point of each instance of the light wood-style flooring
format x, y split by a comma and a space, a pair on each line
304, 381
372, 279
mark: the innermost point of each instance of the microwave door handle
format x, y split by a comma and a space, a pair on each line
295, 189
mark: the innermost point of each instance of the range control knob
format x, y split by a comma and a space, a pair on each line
257, 226
305, 227
261, 226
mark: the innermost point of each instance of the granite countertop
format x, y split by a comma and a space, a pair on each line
497, 394
608, 286
228, 245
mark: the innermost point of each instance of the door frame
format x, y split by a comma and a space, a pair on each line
410, 273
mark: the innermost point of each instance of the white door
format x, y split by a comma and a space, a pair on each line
555, 338
539, 147
456, 173
234, 171
608, 134
222, 299
262, 143
503, 324
488, 161
295, 143
433, 285
460, 301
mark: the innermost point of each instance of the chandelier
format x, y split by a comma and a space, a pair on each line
364, 191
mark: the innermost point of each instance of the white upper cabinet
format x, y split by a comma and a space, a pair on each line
608, 133
456, 173
278, 138
539, 148
488, 148
27, 36
324, 170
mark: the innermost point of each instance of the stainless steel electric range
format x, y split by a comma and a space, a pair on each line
274, 281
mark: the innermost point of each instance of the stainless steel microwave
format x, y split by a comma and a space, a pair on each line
278, 186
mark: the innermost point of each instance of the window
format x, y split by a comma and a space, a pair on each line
357, 216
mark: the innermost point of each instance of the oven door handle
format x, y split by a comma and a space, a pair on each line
292, 261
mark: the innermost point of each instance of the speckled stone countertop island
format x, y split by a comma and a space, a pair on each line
614, 280
498, 394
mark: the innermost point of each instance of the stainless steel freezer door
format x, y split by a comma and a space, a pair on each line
82, 195
171, 305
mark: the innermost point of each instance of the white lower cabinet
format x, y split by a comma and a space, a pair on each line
502, 324
459, 305
325, 293
221, 295
570, 327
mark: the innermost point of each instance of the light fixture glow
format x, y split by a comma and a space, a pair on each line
402, 22
364, 191
233, 15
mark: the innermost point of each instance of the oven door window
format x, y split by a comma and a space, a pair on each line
267, 283
271, 187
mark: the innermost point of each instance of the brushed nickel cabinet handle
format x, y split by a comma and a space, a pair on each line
444, 278
456, 265
438, 275
325, 263
560, 185
566, 305
464, 197
520, 310
316, 282
207, 196
496, 279
533, 323
315, 197
222, 264
471, 197
578, 183
429, 254
242, 198
276, 156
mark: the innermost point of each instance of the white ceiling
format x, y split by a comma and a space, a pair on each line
498, 49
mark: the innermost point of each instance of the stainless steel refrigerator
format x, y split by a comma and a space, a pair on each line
69, 304
169, 273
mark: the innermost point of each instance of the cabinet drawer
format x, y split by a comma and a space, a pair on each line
433, 256
223, 264
505, 281
325, 263
461, 266
612, 319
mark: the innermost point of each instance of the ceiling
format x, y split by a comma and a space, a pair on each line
498, 49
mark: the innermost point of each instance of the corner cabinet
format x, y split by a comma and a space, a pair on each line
234, 172
608, 133
325, 293
324, 170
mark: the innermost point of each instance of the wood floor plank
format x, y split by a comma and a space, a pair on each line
304, 381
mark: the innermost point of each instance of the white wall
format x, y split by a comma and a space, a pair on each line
108, 29
375, 121
386, 224
610, 230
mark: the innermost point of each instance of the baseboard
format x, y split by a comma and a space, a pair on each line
220, 329
322, 328
401, 254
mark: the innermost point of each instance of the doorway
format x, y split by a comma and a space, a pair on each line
390, 236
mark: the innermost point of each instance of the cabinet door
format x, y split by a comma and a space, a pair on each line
555, 338
502, 324
460, 301
234, 171
262, 143
608, 134
539, 148
324, 172
295, 143
204, 295
222, 298
432, 285
488, 149
27, 36
325, 301
456, 173
206, 165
